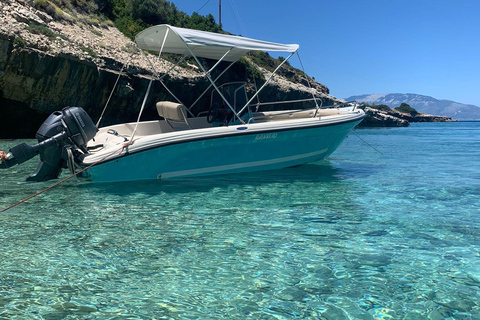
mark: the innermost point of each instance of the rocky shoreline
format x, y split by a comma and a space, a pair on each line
388, 117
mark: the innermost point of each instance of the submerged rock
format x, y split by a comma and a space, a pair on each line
374, 260
376, 233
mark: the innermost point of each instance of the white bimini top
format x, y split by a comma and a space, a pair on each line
204, 44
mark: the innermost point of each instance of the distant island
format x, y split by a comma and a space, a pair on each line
422, 103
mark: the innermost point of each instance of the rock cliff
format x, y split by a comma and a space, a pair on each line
381, 118
46, 65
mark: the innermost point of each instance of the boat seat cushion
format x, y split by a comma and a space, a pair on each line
171, 110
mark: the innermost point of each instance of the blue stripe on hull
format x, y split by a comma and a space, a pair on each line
241, 153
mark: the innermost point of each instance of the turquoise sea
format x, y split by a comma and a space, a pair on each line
387, 228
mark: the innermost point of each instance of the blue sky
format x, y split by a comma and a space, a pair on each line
429, 47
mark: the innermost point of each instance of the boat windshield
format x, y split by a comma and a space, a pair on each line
235, 94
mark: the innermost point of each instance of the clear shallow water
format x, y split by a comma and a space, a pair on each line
364, 235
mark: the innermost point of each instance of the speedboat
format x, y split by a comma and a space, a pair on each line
234, 135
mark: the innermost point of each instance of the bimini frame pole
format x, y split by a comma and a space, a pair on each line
125, 66
266, 82
173, 67
148, 90
309, 85
207, 74
206, 90
160, 79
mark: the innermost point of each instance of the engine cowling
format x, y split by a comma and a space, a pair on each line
70, 128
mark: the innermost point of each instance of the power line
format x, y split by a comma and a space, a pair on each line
239, 19
198, 11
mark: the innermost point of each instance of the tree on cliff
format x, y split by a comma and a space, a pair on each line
405, 108
132, 16
152, 11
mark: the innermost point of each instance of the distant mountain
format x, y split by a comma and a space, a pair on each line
424, 104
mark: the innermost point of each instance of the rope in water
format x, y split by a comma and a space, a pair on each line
69, 177
368, 144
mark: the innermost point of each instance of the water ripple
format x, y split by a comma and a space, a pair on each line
361, 236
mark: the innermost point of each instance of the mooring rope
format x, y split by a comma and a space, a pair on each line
125, 145
368, 144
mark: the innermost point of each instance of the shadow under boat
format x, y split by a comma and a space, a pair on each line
320, 172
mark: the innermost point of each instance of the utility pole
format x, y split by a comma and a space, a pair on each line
220, 13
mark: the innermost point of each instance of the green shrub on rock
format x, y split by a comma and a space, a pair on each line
381, 107
19, 42
39, 29
405, 108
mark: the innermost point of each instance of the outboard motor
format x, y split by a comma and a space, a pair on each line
69, 129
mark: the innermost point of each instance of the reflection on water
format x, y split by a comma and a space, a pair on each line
311, 173
361, 236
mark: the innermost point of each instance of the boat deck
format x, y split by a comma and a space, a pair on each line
117, 134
